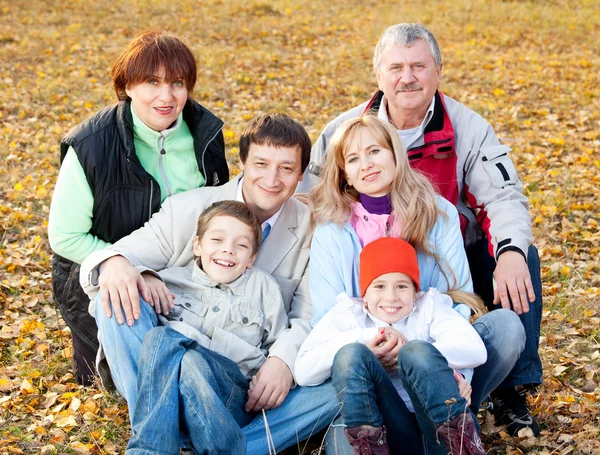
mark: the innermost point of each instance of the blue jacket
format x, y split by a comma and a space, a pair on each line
335, 252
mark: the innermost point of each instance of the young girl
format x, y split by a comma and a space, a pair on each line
434, 342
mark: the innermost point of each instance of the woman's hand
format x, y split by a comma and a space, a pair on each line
463, 386
160, 297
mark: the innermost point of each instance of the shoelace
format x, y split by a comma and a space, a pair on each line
363, 446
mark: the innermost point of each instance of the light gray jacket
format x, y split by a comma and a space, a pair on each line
240, 320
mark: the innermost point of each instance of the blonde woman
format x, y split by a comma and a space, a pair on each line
369, 191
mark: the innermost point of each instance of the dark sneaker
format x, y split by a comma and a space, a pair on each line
460, 435
368, 440
510, 409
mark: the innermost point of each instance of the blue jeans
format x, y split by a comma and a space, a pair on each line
528, 369
504, 338
370, 398
180, 381
305, 411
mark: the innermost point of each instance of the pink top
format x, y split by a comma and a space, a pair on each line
369, 226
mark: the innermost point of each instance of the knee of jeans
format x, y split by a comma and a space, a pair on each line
501, 329
154, 335
415, 353
349, 356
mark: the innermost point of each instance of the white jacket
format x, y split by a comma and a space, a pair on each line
432, 320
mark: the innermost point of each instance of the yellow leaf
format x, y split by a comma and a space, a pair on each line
68, 421
26, 385
88, 104
19, 186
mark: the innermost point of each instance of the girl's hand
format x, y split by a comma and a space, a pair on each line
160, 297
390, 331
463, 386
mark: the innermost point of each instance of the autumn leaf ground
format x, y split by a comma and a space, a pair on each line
530, 68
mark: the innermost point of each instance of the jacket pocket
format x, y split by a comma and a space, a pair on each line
189, 308
499, 166
247, 322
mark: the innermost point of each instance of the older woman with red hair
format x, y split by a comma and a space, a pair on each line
119, 165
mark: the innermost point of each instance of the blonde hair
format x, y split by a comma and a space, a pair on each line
473, 301
412, 196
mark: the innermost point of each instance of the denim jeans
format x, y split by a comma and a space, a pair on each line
528, 369
370, 398
504, 338
180, 381
304, 412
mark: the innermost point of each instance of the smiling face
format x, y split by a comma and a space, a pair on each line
271, 175
391, 297
156, 102
369, 167
408, 77
226, 249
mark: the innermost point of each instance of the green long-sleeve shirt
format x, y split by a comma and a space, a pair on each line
72, 203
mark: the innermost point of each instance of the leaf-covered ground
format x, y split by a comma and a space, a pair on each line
531, 68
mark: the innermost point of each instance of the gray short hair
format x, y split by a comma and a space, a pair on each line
405, 35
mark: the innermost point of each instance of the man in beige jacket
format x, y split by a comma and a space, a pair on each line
274, 151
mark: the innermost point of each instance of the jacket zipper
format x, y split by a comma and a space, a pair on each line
161, 153
204, 154
151, 197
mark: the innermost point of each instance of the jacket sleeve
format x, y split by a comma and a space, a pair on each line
276, 320
71, 213
289, 340
493, 187
315, 359
151, 246
449, 248
454, 336
326, 272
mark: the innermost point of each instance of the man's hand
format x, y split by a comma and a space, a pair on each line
119, 284
160, 296
270, 385
463, 386
513, 280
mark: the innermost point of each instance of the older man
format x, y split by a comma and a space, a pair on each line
460, 153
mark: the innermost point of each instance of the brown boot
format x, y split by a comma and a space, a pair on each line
368, 440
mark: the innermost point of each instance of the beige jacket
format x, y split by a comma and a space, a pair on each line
167, 239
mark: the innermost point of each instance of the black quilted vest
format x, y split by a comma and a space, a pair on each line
125, 195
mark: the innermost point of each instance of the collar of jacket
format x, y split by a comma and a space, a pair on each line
237, 286
436, 123
203, 125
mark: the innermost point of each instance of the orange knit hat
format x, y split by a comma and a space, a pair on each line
387, 255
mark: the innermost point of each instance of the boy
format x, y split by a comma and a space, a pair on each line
225, 317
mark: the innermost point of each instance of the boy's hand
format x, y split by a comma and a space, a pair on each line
160, 296
463, 386
120, 285
270, 385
